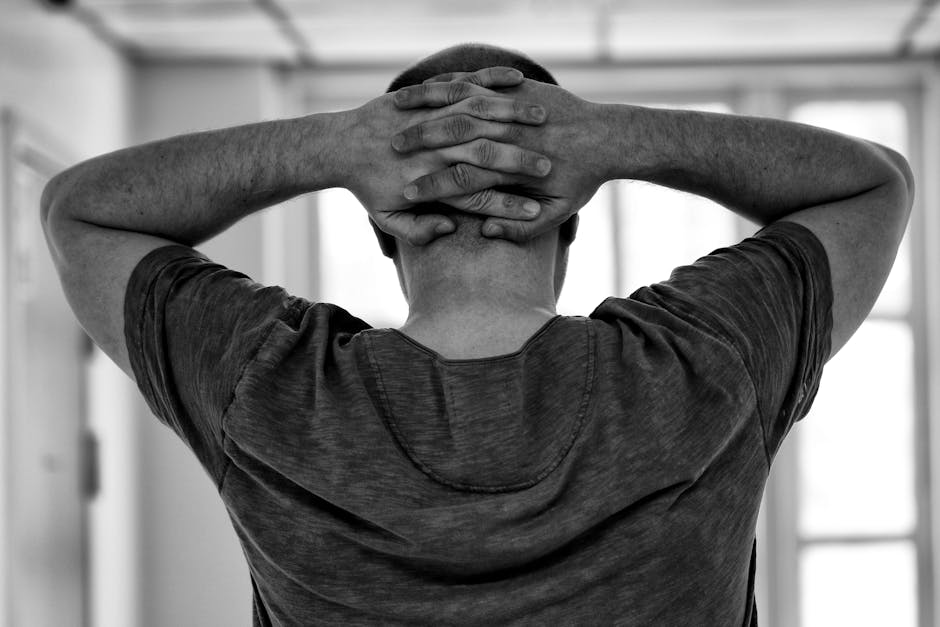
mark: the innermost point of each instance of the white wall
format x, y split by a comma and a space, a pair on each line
56, 73
73, 89
163, 550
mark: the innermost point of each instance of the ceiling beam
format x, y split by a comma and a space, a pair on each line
917, 20
100, 28
289, 29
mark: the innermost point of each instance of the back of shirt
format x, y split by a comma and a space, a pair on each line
610, 471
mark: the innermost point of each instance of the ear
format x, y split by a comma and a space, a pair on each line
386, 242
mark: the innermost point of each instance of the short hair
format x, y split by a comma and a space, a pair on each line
461, 58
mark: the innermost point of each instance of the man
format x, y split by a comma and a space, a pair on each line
489, 461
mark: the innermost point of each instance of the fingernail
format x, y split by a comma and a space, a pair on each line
398, 142
537, 112
401, 95
543, 165
530, 208
411, 192
514, 74
494, 230
443, 228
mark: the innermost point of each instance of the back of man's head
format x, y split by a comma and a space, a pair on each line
466, 241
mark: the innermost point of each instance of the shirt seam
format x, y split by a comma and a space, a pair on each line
706, 330
296, 304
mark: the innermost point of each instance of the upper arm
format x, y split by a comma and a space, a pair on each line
184, 328
861, 236
94, 264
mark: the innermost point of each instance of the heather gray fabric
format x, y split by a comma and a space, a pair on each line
608, 472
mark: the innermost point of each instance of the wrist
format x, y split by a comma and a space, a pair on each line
620, 141
322, 162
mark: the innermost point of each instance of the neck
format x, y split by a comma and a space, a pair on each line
466, 330
463, 310
503, 288
480, 306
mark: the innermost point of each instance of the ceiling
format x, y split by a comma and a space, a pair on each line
324, 32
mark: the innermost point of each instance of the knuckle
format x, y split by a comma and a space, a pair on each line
475, 78
457, 91
424, 90
486, 152
479, 201
512, 133
462, 176
459, 127
479, 105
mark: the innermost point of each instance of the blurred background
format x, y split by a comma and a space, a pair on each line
107, 520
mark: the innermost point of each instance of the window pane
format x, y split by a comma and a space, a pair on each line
661, 228
884, 122
860, 585
354, 273
856, 447
590, 277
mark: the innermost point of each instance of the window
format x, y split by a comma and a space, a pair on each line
856, 509
354, 273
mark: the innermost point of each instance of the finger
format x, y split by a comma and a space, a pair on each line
417, 229
487, 77
494, 155
524, 230
457, 180
444, 78
437, 94
453, 130
500, 109
496, 203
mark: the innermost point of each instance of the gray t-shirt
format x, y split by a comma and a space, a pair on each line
610, 471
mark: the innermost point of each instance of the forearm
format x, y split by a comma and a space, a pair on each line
760, 168
191, 187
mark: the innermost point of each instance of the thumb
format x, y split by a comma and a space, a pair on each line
552, 214
417, 230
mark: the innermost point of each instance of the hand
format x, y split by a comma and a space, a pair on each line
377, 174
569, 137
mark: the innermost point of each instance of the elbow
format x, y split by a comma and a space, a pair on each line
53, 198
49, 198
902, 176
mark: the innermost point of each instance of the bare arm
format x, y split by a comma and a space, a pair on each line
761, 168
191, 187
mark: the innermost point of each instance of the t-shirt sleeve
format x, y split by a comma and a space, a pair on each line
191, 327
770, 298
